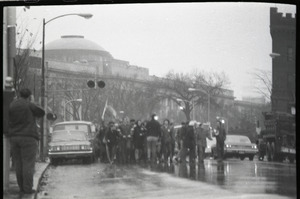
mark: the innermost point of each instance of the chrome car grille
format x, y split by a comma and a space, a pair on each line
70, 148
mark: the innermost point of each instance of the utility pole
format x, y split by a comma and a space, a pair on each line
9, 53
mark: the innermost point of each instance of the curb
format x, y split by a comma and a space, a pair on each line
39, 181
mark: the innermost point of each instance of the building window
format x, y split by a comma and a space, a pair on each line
290, 53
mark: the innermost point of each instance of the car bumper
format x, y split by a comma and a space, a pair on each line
241, 151
70, 154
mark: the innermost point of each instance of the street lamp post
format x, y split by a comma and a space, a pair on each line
208, 96
43, 104
75, 100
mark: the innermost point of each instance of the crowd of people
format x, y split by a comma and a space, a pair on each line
136, 141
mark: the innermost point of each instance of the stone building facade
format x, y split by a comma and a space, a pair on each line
74, 58
283, 32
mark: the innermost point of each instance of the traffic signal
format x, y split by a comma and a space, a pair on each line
92, 84
101, 84
51, 116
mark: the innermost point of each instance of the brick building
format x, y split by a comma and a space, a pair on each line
283, 32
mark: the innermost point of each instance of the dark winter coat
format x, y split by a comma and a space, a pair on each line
221, 137
111, 137
167, 135
139, 134
153, 128
22, 118
188, 137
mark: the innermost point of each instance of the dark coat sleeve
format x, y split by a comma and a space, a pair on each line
37, 110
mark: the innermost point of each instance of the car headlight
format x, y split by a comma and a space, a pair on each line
228, 145
254, 146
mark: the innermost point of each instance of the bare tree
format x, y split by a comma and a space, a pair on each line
25, 39
264, 80
134, 98
175, 86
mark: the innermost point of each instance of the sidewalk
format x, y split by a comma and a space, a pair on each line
14, 191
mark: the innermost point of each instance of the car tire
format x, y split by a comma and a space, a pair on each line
251, 157
54, 161
291, 159
242, 157
87, 160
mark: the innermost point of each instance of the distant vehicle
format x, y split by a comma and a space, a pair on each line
72, 140
238, 146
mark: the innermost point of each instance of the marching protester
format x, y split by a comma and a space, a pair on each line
188, 143
144, 153
179, 140
139, 134
24, 138
131, 148
167, 140
153, 135
125, 141
202, 132
101, 145
110, 140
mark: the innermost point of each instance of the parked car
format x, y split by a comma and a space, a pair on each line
238, 146
72, 140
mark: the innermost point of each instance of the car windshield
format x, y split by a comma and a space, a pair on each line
69, 127
69, 136
238, 139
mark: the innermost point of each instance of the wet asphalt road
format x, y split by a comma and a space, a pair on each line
231, 178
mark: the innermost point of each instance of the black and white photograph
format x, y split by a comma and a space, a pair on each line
149, 100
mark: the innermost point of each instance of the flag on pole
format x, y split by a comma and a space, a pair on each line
105, 106
112, 111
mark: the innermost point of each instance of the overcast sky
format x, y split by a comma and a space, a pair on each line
230, 37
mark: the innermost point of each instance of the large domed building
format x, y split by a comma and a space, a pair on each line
75, 53
74, 48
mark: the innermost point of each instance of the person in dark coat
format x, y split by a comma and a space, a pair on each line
24, 138
125, 141
101, 144
153, 134
144, 154
167, 139
139, 134
188, 143
220, 138
111, 141
202, 132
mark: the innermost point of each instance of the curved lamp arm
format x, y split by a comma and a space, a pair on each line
86, 16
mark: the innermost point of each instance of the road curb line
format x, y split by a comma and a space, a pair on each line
39, 181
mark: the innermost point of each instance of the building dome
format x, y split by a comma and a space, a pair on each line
73, 42
75, 49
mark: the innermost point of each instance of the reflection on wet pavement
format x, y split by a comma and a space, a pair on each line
239, 176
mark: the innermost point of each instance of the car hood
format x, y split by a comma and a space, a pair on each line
69, 143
